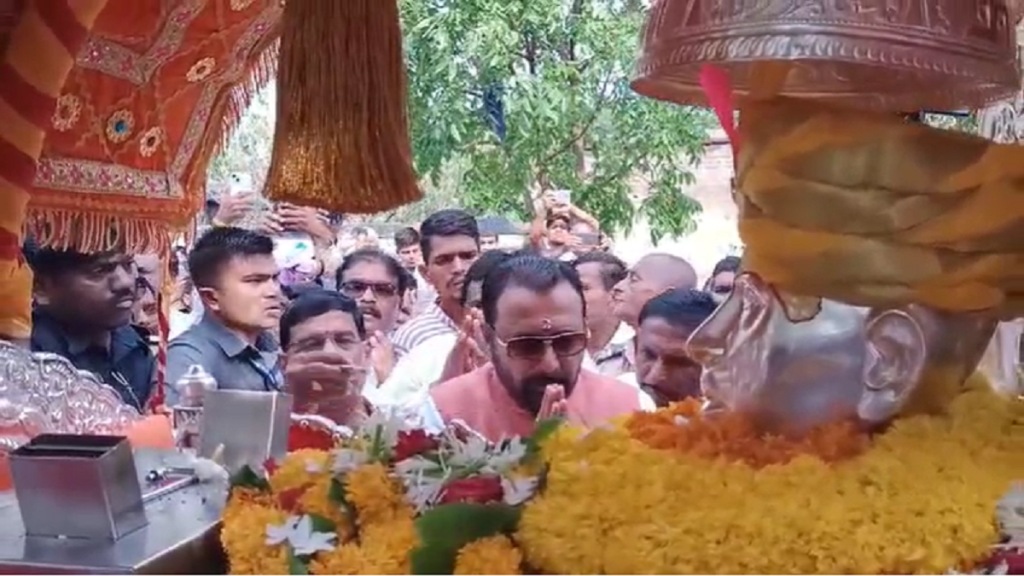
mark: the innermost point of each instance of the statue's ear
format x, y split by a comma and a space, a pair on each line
894, 362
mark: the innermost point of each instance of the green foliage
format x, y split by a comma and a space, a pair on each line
572, 121
248, 150
446, 529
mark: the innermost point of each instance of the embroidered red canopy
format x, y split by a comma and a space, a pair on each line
154, 90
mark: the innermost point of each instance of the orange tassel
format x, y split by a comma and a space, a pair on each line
342, 136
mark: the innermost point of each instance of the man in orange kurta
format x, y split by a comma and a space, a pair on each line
536, 334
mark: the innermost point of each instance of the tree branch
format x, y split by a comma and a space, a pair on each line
584, 129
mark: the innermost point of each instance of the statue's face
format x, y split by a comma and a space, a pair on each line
840, 362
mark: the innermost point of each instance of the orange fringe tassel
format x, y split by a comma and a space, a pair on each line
734, 438
342, 137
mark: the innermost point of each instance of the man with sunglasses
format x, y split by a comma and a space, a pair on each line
376, 282
533, 310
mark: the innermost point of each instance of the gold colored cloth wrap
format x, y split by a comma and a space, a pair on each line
866, 209
342, 138
896, 55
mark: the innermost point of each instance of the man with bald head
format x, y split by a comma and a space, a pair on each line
654, 274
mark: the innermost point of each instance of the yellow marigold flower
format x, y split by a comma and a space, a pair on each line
299, 468
376, 496
347, 559
243, 535
316, 500
386, 546
921, 499
493, 555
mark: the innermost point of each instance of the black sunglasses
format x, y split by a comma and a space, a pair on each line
356, 288
563, 345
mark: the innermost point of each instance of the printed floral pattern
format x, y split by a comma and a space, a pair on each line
201, 70
65, 116
120, 126
149, 142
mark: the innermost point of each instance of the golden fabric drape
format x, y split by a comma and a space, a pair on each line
867, 209
342, 137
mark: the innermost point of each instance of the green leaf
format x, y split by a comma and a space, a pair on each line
321, 524
338, 494
541, 432
247, 478
446, 529
296, 565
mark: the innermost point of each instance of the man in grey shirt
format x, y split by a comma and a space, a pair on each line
235, 275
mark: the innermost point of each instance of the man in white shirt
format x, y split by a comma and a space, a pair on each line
450, 242
610, 337
432, 361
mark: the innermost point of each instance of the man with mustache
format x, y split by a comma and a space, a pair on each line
83, 310
324, 356
533, 310
664, 367
450, 241
376, 282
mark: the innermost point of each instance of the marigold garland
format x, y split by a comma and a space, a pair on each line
656, 496
492, 555
733, 437
375, 495
921, 500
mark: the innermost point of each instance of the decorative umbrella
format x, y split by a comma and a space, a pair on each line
111, 109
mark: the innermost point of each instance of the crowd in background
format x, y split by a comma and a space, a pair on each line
443, 324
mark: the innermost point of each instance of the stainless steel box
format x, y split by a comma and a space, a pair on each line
181, 537
77, 486
250, 426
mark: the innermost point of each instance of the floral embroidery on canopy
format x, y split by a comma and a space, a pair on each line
146, 105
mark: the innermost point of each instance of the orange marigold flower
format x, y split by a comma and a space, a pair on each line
731, 436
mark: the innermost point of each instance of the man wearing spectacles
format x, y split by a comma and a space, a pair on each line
324, 356
535, 332
376, 282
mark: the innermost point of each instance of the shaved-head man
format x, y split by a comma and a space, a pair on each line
654, 274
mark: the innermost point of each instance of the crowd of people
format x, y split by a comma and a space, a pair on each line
447, 326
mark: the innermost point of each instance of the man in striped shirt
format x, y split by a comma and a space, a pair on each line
450, 241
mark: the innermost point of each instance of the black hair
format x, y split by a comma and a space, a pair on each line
613, 269
727, 264
551, 219
220, 245
479, 270
374, 255
315, 303
682, 308
51, 263
447, 222
411, 283
295, 290
406, 237
535, 273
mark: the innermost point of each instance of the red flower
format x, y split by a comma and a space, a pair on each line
270, 466
477, 490
413, 443
303, 436
289, 499
1014, 560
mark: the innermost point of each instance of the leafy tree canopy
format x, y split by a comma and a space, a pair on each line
534, 94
